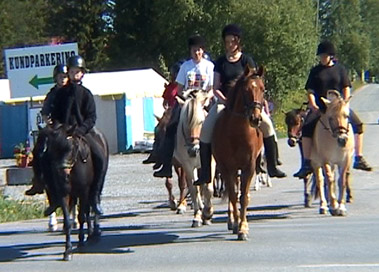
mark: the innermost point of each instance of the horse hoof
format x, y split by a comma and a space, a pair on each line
334, 212
243, 236
52, 228
235, 230
323, 211
67, 257
196, 224
207, 222
341, 212
180, 211
172, 204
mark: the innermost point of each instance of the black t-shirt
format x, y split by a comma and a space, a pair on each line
323, 78
230, 71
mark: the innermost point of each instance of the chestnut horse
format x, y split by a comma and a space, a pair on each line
237, 142
333, 144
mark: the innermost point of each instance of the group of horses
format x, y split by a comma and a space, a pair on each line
237, 143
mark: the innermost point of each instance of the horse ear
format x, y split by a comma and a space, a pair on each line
348, 99
261, 71
326, 101
248, 70
157, 118
180, 100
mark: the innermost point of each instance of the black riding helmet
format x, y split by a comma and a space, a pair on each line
231, 29
326, 47
196, 40
76, 61
59, 69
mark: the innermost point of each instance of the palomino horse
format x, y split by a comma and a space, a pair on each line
68, 171
333, 144
237, 142
187, 153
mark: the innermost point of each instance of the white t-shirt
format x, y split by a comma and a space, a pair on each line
197, 76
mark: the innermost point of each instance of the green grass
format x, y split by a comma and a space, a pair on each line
294, 100
12, 210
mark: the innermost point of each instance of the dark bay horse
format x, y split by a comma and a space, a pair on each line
237, 142
68, 171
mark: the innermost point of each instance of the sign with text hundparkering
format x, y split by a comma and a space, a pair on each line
30, 69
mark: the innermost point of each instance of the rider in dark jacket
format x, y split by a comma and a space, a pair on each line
61, 79
75, 106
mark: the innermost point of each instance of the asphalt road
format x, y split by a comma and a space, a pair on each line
141, 234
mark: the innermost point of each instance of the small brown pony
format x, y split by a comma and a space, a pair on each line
237, 142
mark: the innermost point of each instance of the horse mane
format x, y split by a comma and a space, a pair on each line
190, 110
239, 84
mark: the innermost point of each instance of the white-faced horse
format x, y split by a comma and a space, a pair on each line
187, 153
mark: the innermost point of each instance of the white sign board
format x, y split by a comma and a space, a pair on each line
30, 69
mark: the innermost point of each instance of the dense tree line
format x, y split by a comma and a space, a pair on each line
282, 35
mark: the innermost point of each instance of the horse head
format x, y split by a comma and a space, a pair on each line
248, 94
337, 118
192, 118
294, 120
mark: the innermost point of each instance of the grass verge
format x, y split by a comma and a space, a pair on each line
12, 210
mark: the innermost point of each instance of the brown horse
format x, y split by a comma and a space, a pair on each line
294, 120
237, 142
160, 131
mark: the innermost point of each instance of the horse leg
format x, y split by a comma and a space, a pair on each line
53, 223
307, 191
82, 219
320, 184
171, 199
342, 211
333, 204
182, 183
67, 256
233, 212
246, 178
208, 192
349, 189
195, 196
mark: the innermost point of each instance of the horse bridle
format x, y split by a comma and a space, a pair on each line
249, 107
335, 130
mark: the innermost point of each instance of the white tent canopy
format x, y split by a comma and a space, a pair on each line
134, 83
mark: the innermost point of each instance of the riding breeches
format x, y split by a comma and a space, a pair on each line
209, 123
266, 125
312, 118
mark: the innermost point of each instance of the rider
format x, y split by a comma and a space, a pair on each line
227, 69
195, 73
169, 101
328, 75
60, 78
74, 105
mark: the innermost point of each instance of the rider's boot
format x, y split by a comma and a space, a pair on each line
278, 161
205, 159
150, 159
305, 170
37, 187
361, 164
166, 155
270, 152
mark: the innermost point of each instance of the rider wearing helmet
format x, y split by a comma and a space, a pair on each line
61, 79
77, 108
328, 75
228, 68
197, 74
